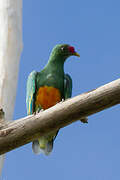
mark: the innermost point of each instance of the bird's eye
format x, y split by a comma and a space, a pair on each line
62, 48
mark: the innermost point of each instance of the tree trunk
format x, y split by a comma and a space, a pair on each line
10, 51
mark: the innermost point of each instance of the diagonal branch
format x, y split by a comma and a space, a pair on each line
17, 133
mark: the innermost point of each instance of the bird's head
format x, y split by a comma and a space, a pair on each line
62, 51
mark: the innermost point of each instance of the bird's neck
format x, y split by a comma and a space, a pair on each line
54, 64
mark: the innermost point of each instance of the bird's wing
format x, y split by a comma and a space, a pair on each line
67, 86
30, 93
68, 92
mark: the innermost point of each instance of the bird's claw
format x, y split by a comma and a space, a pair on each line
39, 110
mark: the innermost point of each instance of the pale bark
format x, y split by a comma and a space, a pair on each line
25, 130
10, 50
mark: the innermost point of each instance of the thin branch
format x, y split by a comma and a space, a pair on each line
22, 131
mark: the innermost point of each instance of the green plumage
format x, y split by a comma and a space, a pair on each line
52, 76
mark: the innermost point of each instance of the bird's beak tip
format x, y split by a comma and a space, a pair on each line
76, 54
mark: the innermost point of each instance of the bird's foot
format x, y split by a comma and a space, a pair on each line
84, 120
38, 110
41, 110
34, 113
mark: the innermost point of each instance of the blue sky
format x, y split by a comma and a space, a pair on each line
80, 151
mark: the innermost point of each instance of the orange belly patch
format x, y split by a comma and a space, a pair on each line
47, 97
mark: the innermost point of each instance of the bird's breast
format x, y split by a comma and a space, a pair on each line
47, 97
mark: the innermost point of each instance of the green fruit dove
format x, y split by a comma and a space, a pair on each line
47, 88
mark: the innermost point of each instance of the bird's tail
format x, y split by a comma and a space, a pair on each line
42, 145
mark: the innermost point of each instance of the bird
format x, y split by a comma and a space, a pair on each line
47, 88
